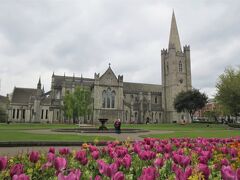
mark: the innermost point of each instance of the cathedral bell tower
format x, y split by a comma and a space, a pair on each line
176, 74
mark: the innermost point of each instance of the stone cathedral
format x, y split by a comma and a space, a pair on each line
112, 97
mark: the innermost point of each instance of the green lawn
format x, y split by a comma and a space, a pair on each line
176, 127
17, 132
195, 134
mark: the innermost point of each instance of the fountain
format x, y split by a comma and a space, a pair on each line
102, 121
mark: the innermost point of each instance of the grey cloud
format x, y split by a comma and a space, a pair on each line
82, 37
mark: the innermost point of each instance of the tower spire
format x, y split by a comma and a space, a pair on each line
39, 83
174, 40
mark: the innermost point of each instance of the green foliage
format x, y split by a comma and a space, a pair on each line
228, 90
190, 101
78, 103
3, 114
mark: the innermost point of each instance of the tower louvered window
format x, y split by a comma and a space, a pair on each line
180, 66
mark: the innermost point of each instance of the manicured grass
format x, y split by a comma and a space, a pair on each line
176, 127
195, 134
35, 126
10, 135
16, 132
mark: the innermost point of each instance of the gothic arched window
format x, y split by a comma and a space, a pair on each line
167, 67
109, 98
180, 66
104, 99
113, 99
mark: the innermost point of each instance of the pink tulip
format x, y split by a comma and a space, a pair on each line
185, 161
159, 162
64, 151
84, 161
233, 152
95, 155
118, 176
224, 162
97, 177
60, 163
111, 169
238, 173
182, 174
204, 169
3, 163
20, 177
46, 165
51, 150
34, 156
126, 161
80, 155
101, 165
149, 173
50, 157
73, 175
92, 148
228, 173
16, 169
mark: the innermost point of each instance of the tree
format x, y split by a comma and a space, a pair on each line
3, 114
228, 90
190, 101
77, 104
68, 105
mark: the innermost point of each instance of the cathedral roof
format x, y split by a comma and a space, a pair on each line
140, 87
3, 99
23, 95
174, 40
70, 80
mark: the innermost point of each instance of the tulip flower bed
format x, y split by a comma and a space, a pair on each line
149, 159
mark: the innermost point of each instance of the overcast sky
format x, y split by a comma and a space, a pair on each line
38, 37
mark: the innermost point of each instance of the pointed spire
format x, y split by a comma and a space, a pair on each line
174, 40
39, 83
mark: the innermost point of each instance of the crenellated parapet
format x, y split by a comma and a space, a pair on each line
164, 51
186, 48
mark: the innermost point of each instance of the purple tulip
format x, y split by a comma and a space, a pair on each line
101, 165
50, 157
34, 156
80, 155
204, 169
64, 151
233, 152
185, 161
20, 177
238, 173
16, 169
159, 162
97, 177
3, 163
118, 176
51, 150
126, 161
73, 175
84, 161
60, 163
224, 162
95, 155
228, 173
181, 174
149, 173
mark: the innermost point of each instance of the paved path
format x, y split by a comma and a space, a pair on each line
120, 137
